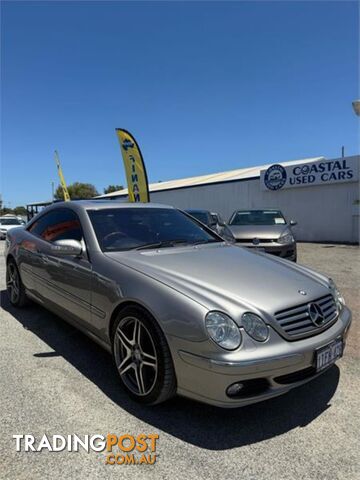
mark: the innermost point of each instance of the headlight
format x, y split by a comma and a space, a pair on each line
286, 237
255, 327
223, 330
339, 299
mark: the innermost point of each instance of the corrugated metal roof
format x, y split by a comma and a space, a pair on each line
231, 175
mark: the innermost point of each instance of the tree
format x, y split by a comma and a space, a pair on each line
20, 210
113, 188
5, 211
77, 191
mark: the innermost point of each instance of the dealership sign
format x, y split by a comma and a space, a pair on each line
321, 172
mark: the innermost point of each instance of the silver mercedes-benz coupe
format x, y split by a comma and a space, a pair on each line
180, 309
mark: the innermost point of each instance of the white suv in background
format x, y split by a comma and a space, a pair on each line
6, 223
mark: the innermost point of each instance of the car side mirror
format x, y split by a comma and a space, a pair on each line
66, 247
293, 223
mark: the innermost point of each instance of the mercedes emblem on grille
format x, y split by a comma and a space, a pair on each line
316, 315
256, 241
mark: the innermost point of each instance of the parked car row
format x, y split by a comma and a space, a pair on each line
266, 230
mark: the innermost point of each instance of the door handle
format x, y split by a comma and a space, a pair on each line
44, 258
49, 261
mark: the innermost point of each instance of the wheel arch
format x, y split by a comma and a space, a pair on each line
129, 303
10, 257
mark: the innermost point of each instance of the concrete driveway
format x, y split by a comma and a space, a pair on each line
55, 380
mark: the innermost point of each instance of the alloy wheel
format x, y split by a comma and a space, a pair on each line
135, 356
13, 283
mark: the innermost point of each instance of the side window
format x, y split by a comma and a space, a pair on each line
61, 224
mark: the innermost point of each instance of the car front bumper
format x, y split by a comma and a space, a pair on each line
207, 379
287, 251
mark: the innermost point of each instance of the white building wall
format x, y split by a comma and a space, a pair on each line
323, 212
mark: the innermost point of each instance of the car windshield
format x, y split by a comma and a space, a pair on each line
201, 216
257, 217
119, 229
9, 221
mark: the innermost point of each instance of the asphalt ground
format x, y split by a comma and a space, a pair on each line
54, 380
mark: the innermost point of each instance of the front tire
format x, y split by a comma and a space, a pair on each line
142, 357
14, 286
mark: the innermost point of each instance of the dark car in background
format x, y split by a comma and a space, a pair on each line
266, 230
214, 221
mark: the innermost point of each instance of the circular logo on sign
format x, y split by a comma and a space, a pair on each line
275, 177
127, 144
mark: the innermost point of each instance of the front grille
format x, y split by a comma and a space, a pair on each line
250, 240
296, 321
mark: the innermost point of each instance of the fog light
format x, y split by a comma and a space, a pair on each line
234, 389
247, 388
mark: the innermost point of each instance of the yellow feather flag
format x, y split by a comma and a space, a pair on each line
61, 177
138, 187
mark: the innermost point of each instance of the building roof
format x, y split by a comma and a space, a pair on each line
40, 204
229, 176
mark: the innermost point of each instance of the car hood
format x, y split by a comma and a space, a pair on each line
243, 232
220, 275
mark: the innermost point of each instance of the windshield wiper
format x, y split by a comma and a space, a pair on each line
163, 244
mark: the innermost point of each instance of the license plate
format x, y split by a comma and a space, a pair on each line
328, 355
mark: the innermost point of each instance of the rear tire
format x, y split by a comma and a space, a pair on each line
14, 286
142, 357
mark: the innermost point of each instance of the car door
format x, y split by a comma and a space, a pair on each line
63, 282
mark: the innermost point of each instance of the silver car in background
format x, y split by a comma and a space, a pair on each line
181, 310
265, 230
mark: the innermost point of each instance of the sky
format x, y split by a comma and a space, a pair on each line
203, 86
